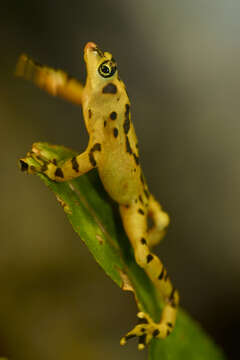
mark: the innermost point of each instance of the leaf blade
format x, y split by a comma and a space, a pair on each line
94, 216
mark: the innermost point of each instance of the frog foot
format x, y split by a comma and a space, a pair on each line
41, 164
147, 330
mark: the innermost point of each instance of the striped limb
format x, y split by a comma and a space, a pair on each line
160, 222
70, 169
55, 82
135, 225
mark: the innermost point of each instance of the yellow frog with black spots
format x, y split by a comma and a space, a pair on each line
113, 150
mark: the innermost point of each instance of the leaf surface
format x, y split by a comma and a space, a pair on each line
95, 218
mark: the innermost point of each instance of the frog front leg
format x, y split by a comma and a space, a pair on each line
70, 169
135, 224
55, 82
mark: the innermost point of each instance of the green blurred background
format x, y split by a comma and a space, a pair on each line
181, 63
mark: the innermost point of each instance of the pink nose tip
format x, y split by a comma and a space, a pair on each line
90, 46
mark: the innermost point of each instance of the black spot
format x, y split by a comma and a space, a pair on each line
89, 113
115, 132
156, 333
143, 329
32, 167
105, 123
54, 161
171, 297
149, 258
161, 274
142, 321
168, 332
24, 166
169, 324
143, 241
44, 167
127, 206
126, 124
110, 89
91, 159
128, 147
146, 193
136, 158
142, 339
142, 178
134, 169
140, 198
59, 173
141, 211
113, 115
75, 164
96, 147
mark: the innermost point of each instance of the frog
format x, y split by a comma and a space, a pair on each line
112, 149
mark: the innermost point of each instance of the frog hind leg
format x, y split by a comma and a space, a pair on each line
55, 82
160, 222
135, 225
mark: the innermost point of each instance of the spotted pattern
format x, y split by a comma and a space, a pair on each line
96, 147
44, 167
113, 115
128, 147
136, 158
161, 274
115, 132
91, 159
59, 173
110, 88
24, 165
146, 192
149, 258
156, 333
126, 124
75, 164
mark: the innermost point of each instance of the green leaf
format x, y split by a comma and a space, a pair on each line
94, 216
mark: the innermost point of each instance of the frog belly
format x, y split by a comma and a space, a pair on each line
119, 179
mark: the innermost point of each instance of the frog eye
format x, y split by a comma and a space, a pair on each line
107, 69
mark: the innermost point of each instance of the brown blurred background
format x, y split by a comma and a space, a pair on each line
181, 63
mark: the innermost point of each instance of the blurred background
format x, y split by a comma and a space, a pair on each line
181, 63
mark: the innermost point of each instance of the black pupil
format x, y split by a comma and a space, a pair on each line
105, 69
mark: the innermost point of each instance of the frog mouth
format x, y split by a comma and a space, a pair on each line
92, 46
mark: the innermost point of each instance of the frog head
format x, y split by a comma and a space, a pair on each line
101, 67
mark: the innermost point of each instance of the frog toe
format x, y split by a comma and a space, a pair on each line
147, 331
33, 163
